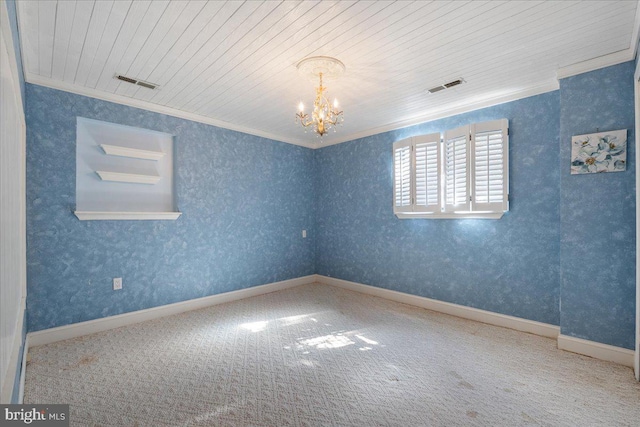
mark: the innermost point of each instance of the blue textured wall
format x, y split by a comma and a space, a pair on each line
598, 213
509, 266
244, 201
520, 265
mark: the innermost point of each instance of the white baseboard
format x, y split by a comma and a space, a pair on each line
511, 322
593, 349
576, 345
60, 333
596, 350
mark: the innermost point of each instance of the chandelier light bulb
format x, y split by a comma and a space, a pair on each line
335, 103
301, 107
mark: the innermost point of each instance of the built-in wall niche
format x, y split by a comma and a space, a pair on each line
123, 172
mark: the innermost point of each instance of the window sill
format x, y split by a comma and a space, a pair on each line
465, 215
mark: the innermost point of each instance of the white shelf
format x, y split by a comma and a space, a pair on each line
87, 216
128, 177
115, 150
123, 172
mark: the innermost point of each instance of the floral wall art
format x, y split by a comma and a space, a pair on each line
599, 152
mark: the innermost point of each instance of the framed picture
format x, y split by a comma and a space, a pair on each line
599, 152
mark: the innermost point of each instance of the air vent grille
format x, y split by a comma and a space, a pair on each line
147, 85
446, 86
126, 79
136, 81
453, 83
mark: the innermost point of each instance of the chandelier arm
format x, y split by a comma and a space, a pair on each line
333, 121
305, 121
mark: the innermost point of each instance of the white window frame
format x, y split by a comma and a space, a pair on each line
460, 165
403, 158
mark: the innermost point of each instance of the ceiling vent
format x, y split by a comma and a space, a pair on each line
147, 85
446, 85
136, 82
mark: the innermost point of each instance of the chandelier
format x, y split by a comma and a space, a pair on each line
324, 116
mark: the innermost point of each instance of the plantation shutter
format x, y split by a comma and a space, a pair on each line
456, 170
490, 160
427, 178
402, 164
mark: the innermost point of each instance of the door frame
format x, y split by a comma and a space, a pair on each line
636, 86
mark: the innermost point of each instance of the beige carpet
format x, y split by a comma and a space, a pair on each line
318, 355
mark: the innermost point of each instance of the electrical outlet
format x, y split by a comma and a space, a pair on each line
304, 234
117, 283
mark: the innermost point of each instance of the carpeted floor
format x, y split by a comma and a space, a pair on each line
317, 355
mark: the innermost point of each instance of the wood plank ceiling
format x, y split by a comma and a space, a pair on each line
233, 63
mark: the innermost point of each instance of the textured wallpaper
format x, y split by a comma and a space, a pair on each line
244, 201
598, 212
509, 266
564, 254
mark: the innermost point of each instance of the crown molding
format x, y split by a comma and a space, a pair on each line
579, 68
441, 113
431, 115
596, 63
564, 72
149, 106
